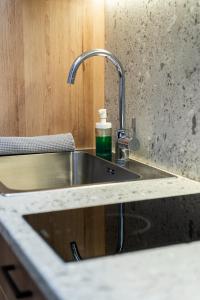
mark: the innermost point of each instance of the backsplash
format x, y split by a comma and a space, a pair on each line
158, 43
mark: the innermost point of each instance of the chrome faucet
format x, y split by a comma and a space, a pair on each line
123, 141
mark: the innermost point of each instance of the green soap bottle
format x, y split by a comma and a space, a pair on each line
103, 136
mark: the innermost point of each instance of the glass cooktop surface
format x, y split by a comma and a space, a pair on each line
83, 233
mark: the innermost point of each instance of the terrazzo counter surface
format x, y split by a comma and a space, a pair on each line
164, 273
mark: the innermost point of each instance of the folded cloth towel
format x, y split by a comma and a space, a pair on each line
37, 144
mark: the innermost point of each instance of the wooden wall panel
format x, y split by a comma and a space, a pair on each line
39, 39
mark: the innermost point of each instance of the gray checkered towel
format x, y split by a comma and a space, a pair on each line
37, 144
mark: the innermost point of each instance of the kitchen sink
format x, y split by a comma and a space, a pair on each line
34, 172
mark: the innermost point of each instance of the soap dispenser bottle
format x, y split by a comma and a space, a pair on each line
103, 136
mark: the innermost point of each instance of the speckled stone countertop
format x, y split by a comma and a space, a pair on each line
164, 273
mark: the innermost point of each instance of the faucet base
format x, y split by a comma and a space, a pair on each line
122, 146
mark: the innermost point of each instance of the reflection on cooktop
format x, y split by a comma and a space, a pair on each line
83, 233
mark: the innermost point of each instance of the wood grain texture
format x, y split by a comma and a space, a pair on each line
20, 276
39, 39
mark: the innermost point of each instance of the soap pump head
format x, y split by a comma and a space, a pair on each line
103, 124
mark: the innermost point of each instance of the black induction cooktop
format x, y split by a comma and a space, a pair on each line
83, 233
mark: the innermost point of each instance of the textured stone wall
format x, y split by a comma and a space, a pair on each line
158, 43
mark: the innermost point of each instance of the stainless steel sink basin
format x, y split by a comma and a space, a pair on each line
34, 172
24, 173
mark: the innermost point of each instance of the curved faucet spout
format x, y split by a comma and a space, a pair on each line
101, 52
